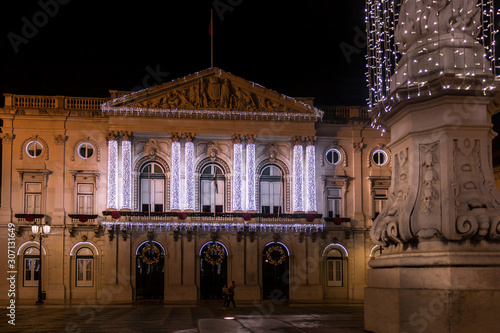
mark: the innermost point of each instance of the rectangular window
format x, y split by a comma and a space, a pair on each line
31, 272
379, 200
85, 199
334, 272
152, 194
33, 198
84, 272
334, 202
212, 196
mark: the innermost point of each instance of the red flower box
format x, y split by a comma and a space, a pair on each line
182, 215
116, 215
29, 218
337, 220
82, 218
309, 218
247, 216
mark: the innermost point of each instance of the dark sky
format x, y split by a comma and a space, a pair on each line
89, 47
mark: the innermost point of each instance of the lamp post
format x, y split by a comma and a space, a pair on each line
41, 232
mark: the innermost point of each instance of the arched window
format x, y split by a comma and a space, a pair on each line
31, 267
334, 268
333, 156
84, 267
271, 190
85, 150
152, 187
212, 189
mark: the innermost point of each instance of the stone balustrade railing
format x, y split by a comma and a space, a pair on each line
53, 102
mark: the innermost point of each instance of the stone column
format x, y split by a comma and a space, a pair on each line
311, 175
6, 209
251, 198
440, 229
237, 170
112, 197
298, 177
175, 178
189, 171
126, 165
357, 162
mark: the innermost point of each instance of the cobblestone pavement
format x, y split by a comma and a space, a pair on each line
263, 317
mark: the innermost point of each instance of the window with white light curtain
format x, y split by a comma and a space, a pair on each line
271, 190
212, 189
334, 268
152, 179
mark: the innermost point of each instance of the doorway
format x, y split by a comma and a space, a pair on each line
275, 271
213, 270
150, 271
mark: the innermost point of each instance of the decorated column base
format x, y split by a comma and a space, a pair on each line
460, 293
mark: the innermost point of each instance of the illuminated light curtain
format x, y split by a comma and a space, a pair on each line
237, 170
175, 180
112, 199
311, 175
298, 178
126, 172
251, 202
189, 170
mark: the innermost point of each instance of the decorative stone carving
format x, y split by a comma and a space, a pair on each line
424, 18
189, 137
151, 234
310, 140
250, 138
386, 227
111, 232
297, 140
124, 232
214, 235
59, 139
477, 200
236, 138
126, 136
189, 234
176, 137
358, 146
111, 135
152, 148
97, 231
213, 150
272, 152
6, 138
276, 237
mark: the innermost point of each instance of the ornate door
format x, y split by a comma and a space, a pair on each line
150, 271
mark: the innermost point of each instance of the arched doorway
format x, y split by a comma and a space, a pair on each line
213, 270
150, 271
275, 271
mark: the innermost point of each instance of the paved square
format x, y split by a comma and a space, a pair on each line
263, 317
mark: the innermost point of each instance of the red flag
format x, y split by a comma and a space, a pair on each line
210, 27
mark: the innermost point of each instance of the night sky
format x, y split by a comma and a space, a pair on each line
90, 47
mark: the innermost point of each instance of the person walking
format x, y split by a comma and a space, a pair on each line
225, 295
231, 295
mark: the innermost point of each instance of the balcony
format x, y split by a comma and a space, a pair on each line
29, 219
211, 221
83, 219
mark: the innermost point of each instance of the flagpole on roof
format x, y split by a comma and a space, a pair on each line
211, 38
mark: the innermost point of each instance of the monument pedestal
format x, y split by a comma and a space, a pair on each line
434, 292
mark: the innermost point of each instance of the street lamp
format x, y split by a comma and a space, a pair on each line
41, 232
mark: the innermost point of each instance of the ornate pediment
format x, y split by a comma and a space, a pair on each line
212, 93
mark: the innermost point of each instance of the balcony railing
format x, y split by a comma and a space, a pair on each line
83, 219
28, 219
53, 102
209, 221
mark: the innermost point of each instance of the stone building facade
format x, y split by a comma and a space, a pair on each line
171, 192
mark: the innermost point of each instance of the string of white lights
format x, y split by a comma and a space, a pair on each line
237, 188
175, 176
251, 202
214, 226
298, 178
311, 178
189, 161
411, 43
126, 175
112, 199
